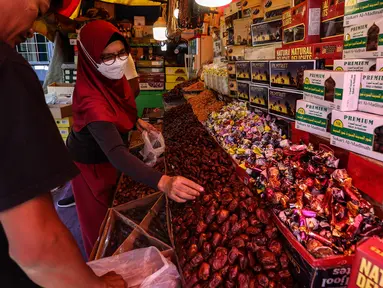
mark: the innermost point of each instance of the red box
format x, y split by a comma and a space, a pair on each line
368, 265
332, 21
328, 51
301, 24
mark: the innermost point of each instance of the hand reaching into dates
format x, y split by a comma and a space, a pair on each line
112, 280
145, 126
179, 188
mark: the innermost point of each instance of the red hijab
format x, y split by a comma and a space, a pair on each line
97, 98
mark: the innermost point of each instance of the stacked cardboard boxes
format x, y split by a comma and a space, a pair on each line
175, 76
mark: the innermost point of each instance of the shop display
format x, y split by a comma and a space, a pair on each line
236, 53
332, 20
359, 132
283, 102
333, 89
205, 103
225, 237
371, 93
243, 91
243, 70
359, 11
328, 51
266, 32
313, 118
362, 40
289, 74
368, 264
301, 23
260, 72
259, 96
355, 65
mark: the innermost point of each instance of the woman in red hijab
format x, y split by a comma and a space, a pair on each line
104, 112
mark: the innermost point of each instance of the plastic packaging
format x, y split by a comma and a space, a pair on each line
154, 147
142, 268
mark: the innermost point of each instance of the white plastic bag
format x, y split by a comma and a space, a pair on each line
144, 268
154, 147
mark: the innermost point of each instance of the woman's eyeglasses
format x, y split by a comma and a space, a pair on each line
109, 59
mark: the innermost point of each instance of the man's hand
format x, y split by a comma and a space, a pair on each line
145, 126
179, 188
113, 280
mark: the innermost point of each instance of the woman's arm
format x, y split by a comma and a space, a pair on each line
107, 136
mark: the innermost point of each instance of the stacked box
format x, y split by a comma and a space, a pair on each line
266, 32
367, 268
289, 74
265, 52
243, 71
371, 93
236, 53
301, 24
260, 72
332, 20
233, 88
242, 31
243, 91
231, 71
358, 132
313, 118
355, 65
364, 40
259, 96
361, 11
283, 102
332, 89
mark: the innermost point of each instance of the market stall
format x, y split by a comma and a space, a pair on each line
283, 129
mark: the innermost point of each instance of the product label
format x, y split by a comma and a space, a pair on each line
356, 65
359, 132
314, 22
356, 11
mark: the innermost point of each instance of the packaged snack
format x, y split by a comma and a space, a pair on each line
243, 71
266, 32
332, 20
260, 72
259, 96
243, 91
283, 102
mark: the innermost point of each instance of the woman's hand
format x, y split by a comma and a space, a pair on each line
179, 188
145, 126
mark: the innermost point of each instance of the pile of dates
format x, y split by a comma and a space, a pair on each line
130, 190
176, 93
225, 238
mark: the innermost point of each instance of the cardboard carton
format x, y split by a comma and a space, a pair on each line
243, 91
355, 65
358, 132
260, 72
60, 111
360, 11
371, 93
283, 102
61, 89
333, 89
259, 96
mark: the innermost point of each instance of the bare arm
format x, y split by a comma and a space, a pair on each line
44, 248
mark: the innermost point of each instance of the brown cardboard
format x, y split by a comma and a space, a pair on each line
60, 111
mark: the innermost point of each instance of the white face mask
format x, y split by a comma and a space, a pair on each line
114, 71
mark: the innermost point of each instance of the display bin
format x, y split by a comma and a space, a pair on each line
310, 272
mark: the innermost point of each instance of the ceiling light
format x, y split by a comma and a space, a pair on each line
176, 13
213, 3
159, 30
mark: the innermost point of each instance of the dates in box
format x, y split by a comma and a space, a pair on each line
332, 20
266, 32
367, 270
243, 71
243, 91
301, 24
260, 72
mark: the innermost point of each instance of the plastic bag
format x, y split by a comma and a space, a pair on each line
154, 147
144, 268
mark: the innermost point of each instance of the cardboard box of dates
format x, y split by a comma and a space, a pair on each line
301, 24
368, 264
332, 20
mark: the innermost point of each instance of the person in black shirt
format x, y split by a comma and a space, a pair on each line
34, 243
